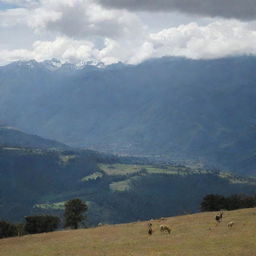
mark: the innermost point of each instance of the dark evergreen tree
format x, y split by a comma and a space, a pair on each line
74, 210
41, 223
7, 229
237, 201
213, 202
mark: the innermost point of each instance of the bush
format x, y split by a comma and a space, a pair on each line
41, 223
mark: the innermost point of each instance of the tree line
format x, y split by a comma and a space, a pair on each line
73, 216
215, 202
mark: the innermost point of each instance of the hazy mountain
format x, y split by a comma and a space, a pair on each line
11, 137
202, 110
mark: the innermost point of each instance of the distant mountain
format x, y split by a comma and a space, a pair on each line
198, 110
11, 137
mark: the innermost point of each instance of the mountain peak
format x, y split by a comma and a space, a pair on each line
52, 64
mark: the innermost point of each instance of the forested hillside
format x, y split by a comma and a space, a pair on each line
172, 108
116, 189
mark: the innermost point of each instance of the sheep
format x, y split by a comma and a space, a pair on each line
150, 230
218, 217
230, 224
164, 228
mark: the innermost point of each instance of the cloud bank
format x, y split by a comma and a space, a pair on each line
218, 39
74, 18
84, 30
239, 9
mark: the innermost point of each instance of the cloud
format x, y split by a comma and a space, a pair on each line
74, 18
218, 39
81, 30
240, 9
34, 18
82, 20
63, 48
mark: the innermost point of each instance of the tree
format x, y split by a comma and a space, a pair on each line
7, 229
41, 223
217, 202
73, 214
213, 202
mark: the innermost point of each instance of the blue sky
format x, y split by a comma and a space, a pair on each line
4, 6
130, 31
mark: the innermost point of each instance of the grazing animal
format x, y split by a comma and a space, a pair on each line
218, 217
150, 230
164, 228
230, 224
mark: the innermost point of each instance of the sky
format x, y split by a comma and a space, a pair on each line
130, 31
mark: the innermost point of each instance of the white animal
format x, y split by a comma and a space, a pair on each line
164, 228
230, 224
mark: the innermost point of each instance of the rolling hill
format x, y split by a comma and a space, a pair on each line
191, 235
116, 189
173, 108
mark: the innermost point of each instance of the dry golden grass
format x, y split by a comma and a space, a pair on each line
192, 235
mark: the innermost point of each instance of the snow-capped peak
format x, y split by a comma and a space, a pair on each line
52, 64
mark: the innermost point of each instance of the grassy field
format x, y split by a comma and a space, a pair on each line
192, 235
132, 169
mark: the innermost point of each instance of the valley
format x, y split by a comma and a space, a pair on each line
175, 109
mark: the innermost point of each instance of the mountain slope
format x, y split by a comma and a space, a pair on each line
15, 138
117, 190
181, 109
191, 235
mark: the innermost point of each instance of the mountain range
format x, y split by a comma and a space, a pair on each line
172, 108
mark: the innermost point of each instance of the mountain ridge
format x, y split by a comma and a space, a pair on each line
180, 109
13, 137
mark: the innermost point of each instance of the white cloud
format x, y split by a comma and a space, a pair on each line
218, 39
13, 17
80, 30
74, 18
62, 48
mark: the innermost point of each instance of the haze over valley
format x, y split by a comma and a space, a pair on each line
175, 109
